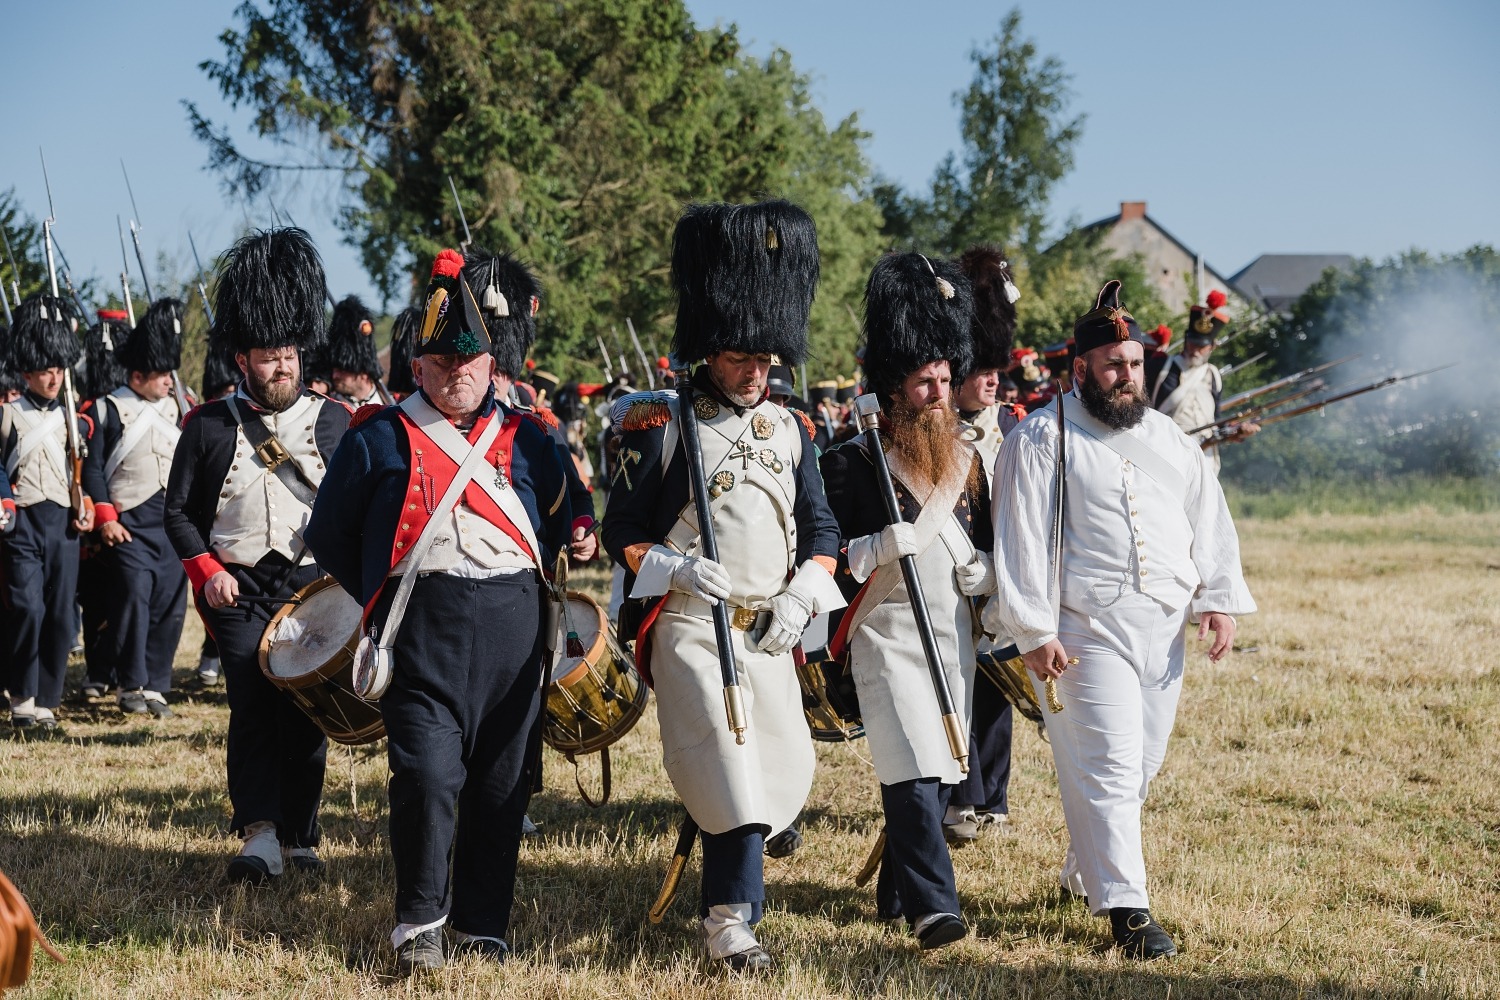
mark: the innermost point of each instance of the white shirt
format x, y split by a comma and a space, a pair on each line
1123, 531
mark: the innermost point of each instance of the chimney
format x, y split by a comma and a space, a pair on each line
1132, 210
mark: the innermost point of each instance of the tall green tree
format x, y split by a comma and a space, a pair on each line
575, 134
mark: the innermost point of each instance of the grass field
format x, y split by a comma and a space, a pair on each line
1326, 825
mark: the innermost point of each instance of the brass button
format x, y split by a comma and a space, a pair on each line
234, 468
406, 527
400, 545
1145, 573
224, 496
1140, 544
411, 506
419, 452
1143, 559
1133, 513
1131, 497
416, 489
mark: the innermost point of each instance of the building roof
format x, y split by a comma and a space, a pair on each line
1276, 280
1137, 209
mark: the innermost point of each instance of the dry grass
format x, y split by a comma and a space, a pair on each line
1326, 825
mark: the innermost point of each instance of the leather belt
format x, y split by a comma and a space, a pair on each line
740, 619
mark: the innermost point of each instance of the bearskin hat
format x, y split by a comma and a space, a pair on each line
745, 277
994, 321
480, 301
269, 292
917, 310
220, 373
351, 338
1106, 323
101, 369
404, 331
43, 335
9, 379
155, 345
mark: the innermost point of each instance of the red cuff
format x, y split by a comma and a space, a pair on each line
200, 568
9, 505
105, 513
586, 522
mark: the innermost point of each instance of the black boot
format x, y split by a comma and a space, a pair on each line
1138, 935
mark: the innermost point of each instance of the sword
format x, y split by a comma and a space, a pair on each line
686, 837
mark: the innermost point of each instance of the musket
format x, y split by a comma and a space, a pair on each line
867, 411
15, 272
135, 235
734, 704
125, 271
1250, 413
468, 237
609, 374
1389, 380
1229, 370
83, 311
650, 368
1261, 390
614, 335
208, 310
82, 506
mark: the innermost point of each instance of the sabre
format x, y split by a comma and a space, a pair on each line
468, 238
687, 836
734, 704
650, 369
125, 271
867, 410
135, 235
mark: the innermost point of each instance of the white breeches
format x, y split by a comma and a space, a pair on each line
1109, 741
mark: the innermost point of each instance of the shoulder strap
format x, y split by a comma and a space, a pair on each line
274, 456
1130, 447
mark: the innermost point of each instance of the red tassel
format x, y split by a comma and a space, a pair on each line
1217, 299
1122, 329
448, 264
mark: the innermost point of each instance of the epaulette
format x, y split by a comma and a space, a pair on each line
1018, 410
543, 418
639, 411
364, 413
806, 423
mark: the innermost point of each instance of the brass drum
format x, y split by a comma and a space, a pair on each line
308, 652
593, 699
829, 699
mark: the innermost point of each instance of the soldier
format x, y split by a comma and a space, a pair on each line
356, 371
41, 551
403, 334
1146, 546
459, 502
745, 277
917, 316
1188, 388
130, 457
242, 484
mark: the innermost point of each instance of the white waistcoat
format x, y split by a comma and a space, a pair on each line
1191, 404
140, 473
256, 513
41, 473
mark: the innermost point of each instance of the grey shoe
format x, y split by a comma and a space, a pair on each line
159, 709
93, 690
133, 702
751, 960
489, 949
421, 953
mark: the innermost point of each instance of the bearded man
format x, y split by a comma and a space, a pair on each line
1147, 546
917, 314
1187, 388
241, 489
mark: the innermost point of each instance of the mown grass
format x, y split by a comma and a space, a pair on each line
1349, 495
1326, 825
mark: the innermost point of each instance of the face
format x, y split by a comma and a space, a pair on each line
46, 383
151, 386
740, 377
356, 384
273, 375
1112, 383
928, 387
456, 383
979, 389
502, 383
1197, 354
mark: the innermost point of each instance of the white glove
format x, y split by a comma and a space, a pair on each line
811, 591
881, 549
976, 578
700, 578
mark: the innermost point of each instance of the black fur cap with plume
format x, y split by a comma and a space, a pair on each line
510, 315
220, 373
269, 292
101, 371
994, 321
42, 336
917, 310
403, 336
10, 380
351, 338
745, 277
155, 345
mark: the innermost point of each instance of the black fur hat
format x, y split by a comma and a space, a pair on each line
403, 336
43, 335
917, 310
351, 338
509, 298
220, 373
745, 277
9, 379
155, 345
994, 321
269, 291
102, 372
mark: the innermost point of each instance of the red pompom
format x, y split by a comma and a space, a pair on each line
663, 363
1162, 335
1216, 299
448, 264
530, 364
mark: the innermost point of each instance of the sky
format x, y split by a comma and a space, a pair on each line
1278, 127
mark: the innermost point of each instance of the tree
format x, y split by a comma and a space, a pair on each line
575, 134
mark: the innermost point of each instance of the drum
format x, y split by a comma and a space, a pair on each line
308, 652
596, 698
829, 698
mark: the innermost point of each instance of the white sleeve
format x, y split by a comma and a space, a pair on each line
1021, 505
1215, 547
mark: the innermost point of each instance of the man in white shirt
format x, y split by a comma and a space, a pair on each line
1147, 545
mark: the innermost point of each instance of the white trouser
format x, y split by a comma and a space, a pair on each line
1119, 702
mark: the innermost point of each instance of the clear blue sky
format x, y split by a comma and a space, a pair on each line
1274, 127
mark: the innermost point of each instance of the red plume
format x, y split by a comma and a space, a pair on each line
448, 264
1216, 299
1162, 335
530, 364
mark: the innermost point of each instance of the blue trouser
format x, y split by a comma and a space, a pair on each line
990, 730
41, 570
734, 869
916, 871
146, 606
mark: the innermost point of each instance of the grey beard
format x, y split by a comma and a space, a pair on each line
1197, 361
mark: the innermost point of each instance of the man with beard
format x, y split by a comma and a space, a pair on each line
1147, 546
1187, 388
745, 277
243, 479
917, 315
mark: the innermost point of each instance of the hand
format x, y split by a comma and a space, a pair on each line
976, 578
114, 533
83, 525
221, 590
895, 541
701, 578
1047, 661
585, 545
789, 617
1223, 627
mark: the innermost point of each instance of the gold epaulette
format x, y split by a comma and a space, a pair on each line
543, 418
806, 422
646, 414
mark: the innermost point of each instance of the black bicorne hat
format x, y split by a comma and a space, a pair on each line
43, 335
480, 301
404, 332
745, 277
1205, 322
917, 310
994, 321
1106, 323
269, 292
155, 345
351, 338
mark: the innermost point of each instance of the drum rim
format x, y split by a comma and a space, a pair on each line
594, 652
263, 648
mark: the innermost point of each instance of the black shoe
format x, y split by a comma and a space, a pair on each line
1067, 895
310, 865
945, 930
133, 703
249, 870
1138, 935
489, 949
785, 843
751, 960
421, 953
33, 727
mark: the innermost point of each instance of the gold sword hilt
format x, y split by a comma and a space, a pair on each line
1054, 705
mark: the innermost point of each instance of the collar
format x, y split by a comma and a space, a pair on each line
40, 403
703, 382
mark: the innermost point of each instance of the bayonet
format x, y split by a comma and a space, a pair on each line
135, 236
609, 374
208, 310
125, 271
15, 272
80, 505
1229, 370
650, 368
468, 238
